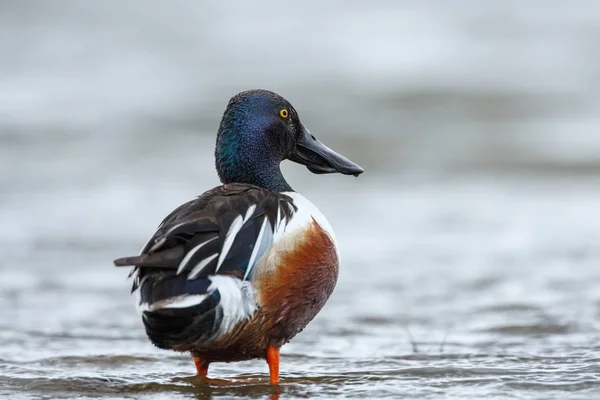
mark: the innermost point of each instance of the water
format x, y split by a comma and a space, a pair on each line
459, 289
469, 246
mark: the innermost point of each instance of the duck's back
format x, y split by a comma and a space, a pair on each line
233, 271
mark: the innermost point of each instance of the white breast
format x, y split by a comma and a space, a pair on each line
303, 217
306, 211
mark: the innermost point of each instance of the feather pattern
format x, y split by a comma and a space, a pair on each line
200, 266
260, 247
196, 266
190, 254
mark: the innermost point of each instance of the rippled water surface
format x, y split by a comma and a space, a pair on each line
483, 287
470, 258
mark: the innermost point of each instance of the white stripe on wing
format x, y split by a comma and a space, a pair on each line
200, 266
191, 253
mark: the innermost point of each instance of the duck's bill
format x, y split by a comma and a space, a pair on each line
320, 159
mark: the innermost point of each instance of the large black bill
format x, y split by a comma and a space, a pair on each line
320, 159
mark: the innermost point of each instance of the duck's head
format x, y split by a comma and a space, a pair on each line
260, 129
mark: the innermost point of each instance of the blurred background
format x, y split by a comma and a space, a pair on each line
469, 246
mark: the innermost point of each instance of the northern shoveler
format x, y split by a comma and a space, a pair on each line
236, 273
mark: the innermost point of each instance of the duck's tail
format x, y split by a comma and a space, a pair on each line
163, 259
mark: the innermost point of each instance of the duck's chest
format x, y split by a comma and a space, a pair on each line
298, 274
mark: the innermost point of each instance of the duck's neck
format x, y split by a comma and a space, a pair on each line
258, 174
237, 164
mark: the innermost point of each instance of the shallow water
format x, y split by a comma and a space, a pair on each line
469, 247
457, 288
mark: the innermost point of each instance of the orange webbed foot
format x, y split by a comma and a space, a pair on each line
273, 361
201, 366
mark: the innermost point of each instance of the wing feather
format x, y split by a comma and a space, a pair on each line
184, 263
192, 273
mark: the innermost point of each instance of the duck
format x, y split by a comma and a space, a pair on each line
237, 272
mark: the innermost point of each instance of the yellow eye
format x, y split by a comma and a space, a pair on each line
283, 113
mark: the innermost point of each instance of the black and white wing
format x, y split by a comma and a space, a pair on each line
192, 277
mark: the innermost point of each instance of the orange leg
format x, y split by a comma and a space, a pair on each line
273, 361
201, 366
